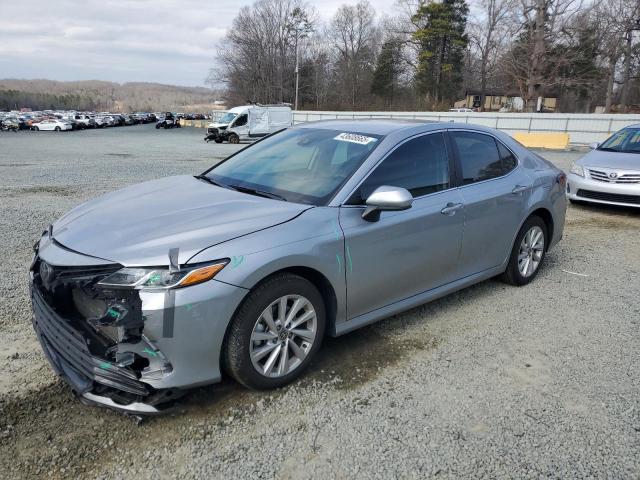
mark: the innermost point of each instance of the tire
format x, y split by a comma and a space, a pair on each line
157, 127
58, 129
513, 274
218, 140
233, 138
248, 321
36, 129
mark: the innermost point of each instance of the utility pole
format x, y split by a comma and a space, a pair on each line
297, 69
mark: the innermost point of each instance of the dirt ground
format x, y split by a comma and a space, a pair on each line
493, 381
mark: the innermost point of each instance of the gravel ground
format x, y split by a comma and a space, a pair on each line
493, 381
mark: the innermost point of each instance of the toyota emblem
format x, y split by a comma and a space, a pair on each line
613, 175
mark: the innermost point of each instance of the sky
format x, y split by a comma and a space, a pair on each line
163, 41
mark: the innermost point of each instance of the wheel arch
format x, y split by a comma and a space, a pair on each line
547, 218
320, 281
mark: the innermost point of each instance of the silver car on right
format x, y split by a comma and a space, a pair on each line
610, 172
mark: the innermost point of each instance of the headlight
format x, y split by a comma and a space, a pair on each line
162, 278
577, 169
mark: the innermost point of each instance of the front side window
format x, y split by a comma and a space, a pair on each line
305, 165
241, 121
478, 155
420, 165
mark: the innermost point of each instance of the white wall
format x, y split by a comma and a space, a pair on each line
582, 128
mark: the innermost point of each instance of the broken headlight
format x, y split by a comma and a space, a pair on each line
162, 278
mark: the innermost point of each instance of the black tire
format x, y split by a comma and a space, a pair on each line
58, 129
233, 138
512, 274
157, 127
236, 349
36, 129
218, 140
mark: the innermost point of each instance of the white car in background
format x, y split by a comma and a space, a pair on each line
610, 172
53, 125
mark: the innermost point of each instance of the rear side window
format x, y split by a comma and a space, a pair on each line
479, 156
509, 161
420, 165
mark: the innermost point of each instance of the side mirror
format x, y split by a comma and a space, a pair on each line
386, 198
594, 145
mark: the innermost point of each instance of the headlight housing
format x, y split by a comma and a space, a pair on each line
162, 278
577, 169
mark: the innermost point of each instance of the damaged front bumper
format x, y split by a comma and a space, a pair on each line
133, 351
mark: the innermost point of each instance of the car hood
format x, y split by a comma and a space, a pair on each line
217, 125
614, 160
136, 226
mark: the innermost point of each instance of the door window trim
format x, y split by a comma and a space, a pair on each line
459, 162
452, 167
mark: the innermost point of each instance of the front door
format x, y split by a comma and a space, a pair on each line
408, 252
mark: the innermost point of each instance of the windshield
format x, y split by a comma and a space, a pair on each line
624, 141
227, 117
302, 165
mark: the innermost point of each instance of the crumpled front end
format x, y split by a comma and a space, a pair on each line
125, 349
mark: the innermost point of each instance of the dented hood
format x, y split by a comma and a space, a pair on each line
136, 226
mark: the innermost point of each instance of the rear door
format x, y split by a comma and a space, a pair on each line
258, 122
408, 252
495, 190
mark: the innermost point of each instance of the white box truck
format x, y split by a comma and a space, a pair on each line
249, 122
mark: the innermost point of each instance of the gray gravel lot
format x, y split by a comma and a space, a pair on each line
493, 381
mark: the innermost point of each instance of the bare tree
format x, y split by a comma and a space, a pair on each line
487, 34
354, 31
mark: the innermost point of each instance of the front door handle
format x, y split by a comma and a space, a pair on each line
519, 189
451, 208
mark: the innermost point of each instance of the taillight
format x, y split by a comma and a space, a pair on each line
562, 179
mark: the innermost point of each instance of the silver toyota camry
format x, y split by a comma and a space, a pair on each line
610, 173
316, 230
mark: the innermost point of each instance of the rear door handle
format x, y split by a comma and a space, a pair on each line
451, 208
519, 189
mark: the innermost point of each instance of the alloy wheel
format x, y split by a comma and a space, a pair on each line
283, 336
531, 251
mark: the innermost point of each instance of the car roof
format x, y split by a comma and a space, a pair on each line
379, 126
384, 127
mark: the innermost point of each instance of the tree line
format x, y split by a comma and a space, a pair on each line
429, 53
95, 95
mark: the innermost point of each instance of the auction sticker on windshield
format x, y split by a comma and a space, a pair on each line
355, 138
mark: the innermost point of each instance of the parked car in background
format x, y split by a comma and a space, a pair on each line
10, 124
53, 125
169, 120
87, 120
610, 172
318, 229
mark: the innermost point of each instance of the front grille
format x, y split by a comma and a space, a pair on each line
609, 197
626, 178
71, 347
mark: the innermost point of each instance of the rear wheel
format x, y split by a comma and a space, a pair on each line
275, 333
58, 129
528, 252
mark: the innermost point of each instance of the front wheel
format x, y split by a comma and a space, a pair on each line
58, 129
528, 252
36, 129
275, 333
233, 138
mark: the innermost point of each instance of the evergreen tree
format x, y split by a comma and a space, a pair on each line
388, 69
443, 41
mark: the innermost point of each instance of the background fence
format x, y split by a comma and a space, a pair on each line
582, 128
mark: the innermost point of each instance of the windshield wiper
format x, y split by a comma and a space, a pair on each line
260, 193
213, 182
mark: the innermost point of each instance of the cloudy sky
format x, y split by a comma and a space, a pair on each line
165, 41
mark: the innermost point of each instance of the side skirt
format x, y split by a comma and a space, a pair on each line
414, 301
